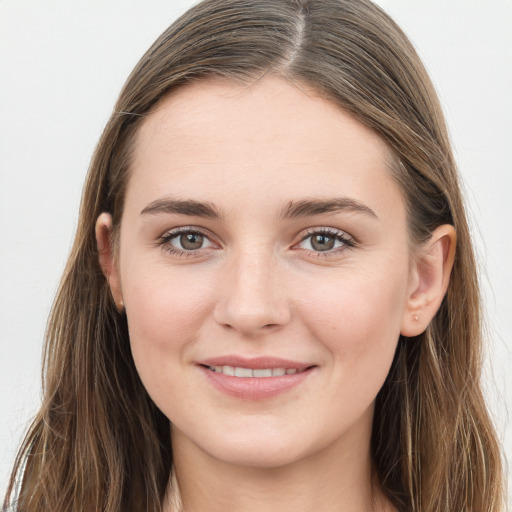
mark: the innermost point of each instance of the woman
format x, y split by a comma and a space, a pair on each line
271, 302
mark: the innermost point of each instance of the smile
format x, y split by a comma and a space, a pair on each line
255, 379
236, 371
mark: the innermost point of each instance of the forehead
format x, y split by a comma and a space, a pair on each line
271, 136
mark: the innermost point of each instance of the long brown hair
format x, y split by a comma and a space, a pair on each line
99, 442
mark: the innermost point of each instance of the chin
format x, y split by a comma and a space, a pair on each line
262, 449
267, 457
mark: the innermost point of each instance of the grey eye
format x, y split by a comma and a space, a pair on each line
321, 242
190, 241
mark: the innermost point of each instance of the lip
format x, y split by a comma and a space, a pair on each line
253, 388
263, 362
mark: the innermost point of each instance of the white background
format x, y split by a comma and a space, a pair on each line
62, 65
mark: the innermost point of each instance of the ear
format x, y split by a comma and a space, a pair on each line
106, 257
429, 280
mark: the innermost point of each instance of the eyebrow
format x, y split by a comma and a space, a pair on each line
187, 207
310, 207
294, 209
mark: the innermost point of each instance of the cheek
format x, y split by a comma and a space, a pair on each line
165, 312
358, 319
162, 304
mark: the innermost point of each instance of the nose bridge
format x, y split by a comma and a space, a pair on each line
253, 296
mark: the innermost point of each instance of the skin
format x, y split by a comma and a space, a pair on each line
258, 286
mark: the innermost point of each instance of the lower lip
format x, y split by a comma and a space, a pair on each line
255, 388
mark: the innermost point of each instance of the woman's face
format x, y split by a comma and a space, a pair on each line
262, 235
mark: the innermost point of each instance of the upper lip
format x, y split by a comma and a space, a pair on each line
262, 362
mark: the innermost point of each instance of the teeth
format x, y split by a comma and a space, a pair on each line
228, 370
243, 372
236, 371
262, 373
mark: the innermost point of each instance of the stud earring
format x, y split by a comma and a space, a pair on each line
415, 317
119, 306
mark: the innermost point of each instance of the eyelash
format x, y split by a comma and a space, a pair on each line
165, 241
347, 241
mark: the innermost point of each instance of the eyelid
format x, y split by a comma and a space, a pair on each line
164, 240
348, 241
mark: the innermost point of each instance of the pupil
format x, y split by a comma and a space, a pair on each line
322, 242
191, 241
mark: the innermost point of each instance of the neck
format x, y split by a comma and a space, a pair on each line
336, 478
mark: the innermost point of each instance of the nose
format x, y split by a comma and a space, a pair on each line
252, 296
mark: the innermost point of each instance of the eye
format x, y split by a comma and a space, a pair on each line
326, 240
185, 240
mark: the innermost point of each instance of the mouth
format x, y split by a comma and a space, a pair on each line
259, 373
256, 378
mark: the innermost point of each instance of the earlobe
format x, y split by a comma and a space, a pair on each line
432, 271
106, 257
